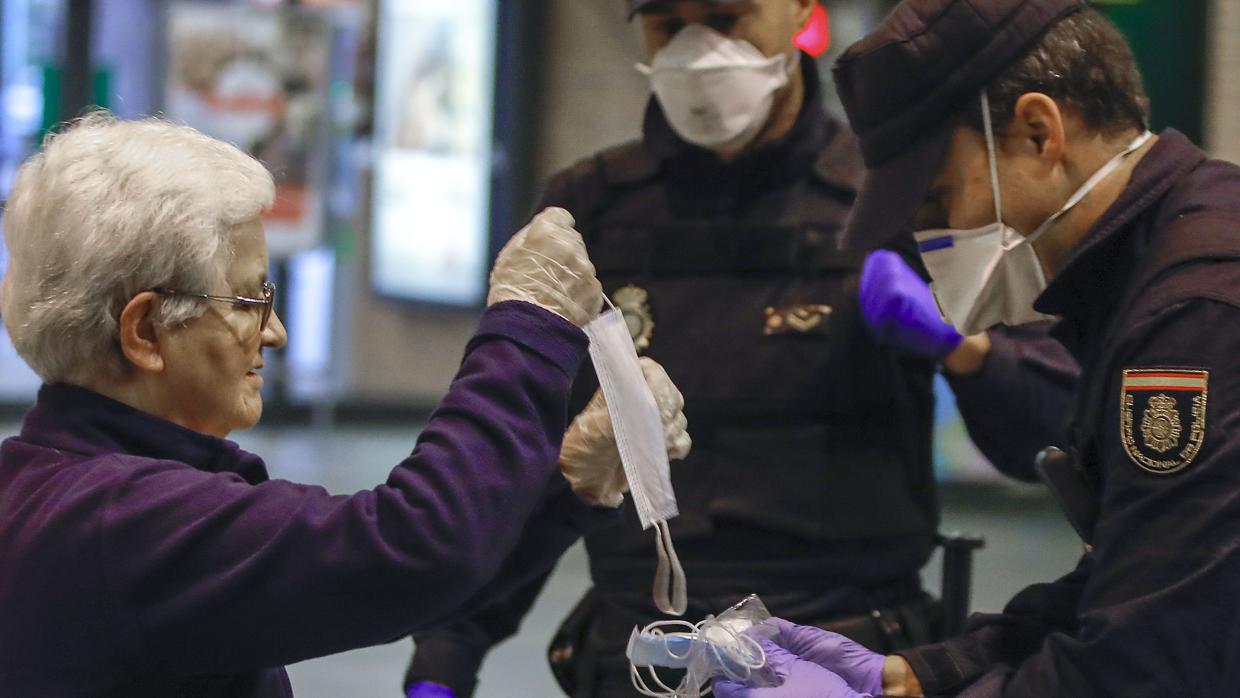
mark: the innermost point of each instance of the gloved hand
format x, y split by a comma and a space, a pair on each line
589, 457
800, 679
900, 311
546, 264
427, 689
861, 668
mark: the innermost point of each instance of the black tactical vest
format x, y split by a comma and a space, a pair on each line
811, 442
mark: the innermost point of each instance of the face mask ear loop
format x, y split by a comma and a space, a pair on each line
635, 674
733, 655
670, 589
990, 151
1093, 181
640, 685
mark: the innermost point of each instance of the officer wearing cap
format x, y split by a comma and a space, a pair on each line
1013, 135
806, 369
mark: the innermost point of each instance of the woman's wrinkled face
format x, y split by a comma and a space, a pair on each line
213, 363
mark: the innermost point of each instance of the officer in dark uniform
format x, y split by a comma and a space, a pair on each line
810, 482
1139, 237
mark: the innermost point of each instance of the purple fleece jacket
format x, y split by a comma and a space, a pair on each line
139, 558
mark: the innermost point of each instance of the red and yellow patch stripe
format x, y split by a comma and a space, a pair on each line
1163, 380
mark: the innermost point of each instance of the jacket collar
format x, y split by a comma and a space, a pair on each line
76, 420
1075, 287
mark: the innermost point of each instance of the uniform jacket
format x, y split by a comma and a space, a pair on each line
140, 558
1152, 609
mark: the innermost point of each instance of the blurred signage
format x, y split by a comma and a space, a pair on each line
434, 109
257, 77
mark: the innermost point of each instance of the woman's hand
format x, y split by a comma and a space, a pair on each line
546, 264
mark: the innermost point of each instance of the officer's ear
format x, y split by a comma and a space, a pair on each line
801, 11
1037, 129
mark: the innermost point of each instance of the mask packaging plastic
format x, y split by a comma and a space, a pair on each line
642, 445
720, 646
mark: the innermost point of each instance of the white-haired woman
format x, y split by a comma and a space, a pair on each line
140, 552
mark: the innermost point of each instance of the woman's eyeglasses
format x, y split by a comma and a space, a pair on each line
266, 302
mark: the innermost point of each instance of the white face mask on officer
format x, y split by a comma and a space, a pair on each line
717, 92
991, 275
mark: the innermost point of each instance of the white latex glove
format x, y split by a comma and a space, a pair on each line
546, 264
589, 457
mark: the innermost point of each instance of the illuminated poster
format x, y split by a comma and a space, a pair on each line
257, 78
432, 167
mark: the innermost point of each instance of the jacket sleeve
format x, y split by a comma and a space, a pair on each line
1159, 598
1000, 639
453, 653
208, 573
1021, 400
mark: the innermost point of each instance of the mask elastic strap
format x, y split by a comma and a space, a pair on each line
1102, 173
990, 152
671, 594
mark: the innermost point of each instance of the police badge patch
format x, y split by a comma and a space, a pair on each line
1163, 417
633, 302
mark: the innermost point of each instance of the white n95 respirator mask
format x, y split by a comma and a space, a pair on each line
991, 275
716, 92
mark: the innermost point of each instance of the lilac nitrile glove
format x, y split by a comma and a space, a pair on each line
798, 679
861, 668
899, 308
427, 689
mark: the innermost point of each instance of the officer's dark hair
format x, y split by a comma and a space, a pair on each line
1083, 61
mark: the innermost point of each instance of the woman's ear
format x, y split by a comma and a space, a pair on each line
1037, 128
139, 341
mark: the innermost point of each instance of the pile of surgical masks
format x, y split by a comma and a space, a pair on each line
720, 646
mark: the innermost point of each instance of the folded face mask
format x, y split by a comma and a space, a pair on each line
643, 450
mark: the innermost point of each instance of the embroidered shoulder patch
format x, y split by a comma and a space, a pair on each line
1162, 417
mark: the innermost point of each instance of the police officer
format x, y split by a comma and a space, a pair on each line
1014, 134
807, 371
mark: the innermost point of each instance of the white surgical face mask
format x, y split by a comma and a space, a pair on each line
643, 449
716, 91
991, 275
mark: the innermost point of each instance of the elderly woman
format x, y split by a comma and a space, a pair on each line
141, 554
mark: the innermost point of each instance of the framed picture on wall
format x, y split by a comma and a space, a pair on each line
257, 77
433, 150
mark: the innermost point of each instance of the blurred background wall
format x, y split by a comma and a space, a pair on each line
541, 84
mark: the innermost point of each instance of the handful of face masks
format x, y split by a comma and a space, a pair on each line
722, 646
643, 451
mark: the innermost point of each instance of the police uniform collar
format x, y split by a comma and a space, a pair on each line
1166, 162
840, 165
74, 419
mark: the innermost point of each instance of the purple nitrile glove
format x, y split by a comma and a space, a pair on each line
427, 689
798, 679
861, 668
899, 308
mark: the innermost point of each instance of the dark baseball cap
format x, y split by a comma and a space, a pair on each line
904, 82
636, 6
